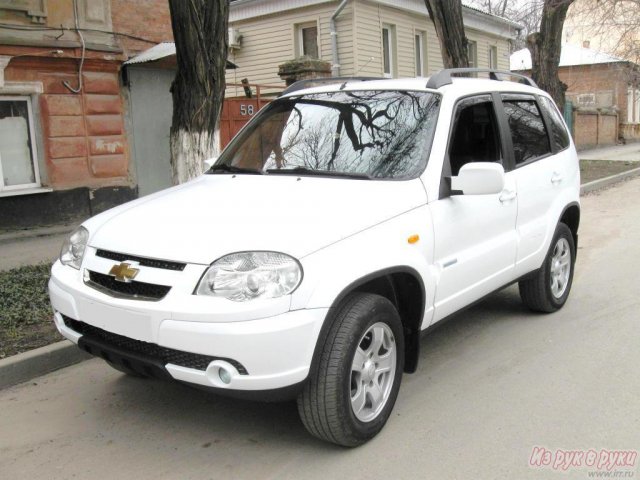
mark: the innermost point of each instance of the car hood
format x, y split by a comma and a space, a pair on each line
215, 215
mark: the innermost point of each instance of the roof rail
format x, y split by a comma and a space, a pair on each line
443, 77
316, 82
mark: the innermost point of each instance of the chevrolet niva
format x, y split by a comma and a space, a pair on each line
341, 223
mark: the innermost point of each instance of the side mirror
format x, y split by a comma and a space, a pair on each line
208, 163
480, 178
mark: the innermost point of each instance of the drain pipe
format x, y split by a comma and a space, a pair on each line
335, 61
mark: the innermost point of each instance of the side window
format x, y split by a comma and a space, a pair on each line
528, 133
558, 130
475, 136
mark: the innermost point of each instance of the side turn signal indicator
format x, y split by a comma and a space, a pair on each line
413, 239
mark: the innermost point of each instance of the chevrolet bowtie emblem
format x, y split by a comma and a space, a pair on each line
124, 272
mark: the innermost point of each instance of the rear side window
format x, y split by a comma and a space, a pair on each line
559, 133
528, 133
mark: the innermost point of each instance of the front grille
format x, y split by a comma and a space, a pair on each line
155, 353
131, 290
145, 262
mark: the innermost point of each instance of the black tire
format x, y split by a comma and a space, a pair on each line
126, 370
536, 292
325, 403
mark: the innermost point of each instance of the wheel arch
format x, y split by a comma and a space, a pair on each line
404, 287
570, 216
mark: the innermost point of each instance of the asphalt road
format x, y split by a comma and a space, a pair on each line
492, 384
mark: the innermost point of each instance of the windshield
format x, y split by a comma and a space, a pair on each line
363, 134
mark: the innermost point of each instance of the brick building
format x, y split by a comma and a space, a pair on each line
64, 148
604, 91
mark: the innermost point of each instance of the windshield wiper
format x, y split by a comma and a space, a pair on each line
319, 173
223, 167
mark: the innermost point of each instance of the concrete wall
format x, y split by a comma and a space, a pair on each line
605, 83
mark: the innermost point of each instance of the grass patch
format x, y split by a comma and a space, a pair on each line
591, 170
25, 312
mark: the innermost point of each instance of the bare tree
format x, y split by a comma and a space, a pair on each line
527, 13
545, 46
543, 21
200, 33
446, 16
612, 26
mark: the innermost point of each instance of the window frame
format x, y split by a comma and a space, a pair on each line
391, 42
472, 47
528, 97
4, 189
300, 37
507, 160
549, 123
418, 41
493, 56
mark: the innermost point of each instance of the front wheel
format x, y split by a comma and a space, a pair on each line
351, 393
548, 290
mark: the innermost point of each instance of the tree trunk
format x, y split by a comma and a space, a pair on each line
200, 33
545, 47
446, 16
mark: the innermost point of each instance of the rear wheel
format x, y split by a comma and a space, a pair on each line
349, 397
548, 290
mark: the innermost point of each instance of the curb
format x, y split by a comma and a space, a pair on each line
607, 181
34, 363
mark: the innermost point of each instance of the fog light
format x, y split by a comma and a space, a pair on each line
224, 375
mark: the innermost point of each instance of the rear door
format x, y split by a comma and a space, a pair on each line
475, 241
542, 167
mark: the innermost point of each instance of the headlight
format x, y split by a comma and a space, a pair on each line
73, 248
248, 275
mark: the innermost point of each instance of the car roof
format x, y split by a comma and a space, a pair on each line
459, 87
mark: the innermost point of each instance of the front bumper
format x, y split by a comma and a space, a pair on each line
157, 339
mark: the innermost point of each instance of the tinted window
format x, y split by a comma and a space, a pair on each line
475, 134
558, 131
528, 133
381, 134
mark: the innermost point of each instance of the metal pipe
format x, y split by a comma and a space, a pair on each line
335, 60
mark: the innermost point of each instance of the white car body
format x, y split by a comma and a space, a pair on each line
343, 232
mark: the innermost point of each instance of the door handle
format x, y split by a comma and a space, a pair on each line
507, 196
556, 178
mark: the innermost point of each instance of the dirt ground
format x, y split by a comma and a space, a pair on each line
591, 170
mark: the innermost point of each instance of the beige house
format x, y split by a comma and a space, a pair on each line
391, 38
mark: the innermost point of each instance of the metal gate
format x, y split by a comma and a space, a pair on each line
568, 115
237, 111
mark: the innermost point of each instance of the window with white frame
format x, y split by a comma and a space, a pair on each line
472, 52
493, 56
18, 157
308, 40
388, 50
420, 57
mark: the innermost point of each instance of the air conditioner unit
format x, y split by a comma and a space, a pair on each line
234, 38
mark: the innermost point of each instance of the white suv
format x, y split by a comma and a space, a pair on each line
339, 224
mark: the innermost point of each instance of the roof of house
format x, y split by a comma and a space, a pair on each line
160, 51
570, 55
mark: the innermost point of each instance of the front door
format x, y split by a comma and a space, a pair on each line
475, 236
